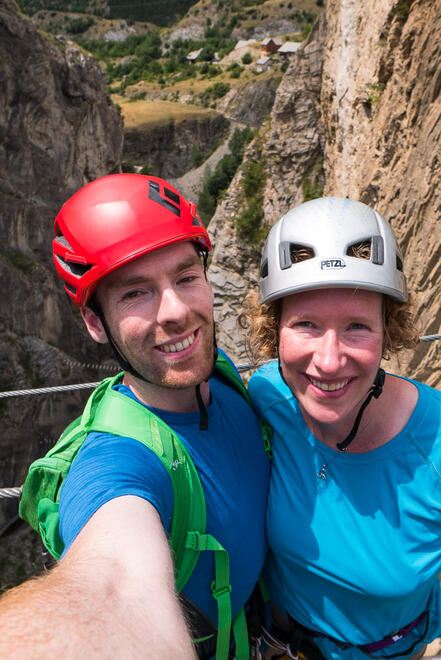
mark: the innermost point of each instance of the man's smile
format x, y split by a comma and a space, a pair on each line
178, 346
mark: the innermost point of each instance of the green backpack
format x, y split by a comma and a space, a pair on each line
110, 411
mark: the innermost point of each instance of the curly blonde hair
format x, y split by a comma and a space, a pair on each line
262, 323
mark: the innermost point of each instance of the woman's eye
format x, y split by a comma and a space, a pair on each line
358, 326
303, 324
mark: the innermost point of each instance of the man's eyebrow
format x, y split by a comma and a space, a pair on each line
187, 263
142, 279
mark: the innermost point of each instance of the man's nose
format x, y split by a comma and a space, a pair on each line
172, 308
329, 355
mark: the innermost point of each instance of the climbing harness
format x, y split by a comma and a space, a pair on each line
298, 639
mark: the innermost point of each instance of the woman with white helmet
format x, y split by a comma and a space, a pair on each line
354, 509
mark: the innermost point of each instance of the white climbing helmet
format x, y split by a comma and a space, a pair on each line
326, 230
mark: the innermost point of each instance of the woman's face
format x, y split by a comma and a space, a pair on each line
330, 349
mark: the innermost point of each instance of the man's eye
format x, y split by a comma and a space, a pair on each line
130, 295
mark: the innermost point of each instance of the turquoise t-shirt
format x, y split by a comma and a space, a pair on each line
355, 539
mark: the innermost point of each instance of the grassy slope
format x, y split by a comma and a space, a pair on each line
140, 113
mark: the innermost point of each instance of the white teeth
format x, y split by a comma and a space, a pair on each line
328, 388
179, 346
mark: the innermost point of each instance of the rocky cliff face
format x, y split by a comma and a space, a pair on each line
381, 108
58, 130
168, 148
250, 104
359, 109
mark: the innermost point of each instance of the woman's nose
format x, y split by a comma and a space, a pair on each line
329, 354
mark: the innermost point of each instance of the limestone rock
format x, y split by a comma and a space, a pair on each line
381, 108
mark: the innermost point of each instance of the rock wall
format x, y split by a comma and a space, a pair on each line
58, 130
250, 104
381, 108
167, 149
359, 110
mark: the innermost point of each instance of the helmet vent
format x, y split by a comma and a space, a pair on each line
399, 263
360, 250
293, 253
264, 269
62, 240
155, 195
172, 195
77, 270
300, 253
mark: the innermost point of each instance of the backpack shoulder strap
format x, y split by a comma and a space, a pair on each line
41, 490
230, 373
118, 414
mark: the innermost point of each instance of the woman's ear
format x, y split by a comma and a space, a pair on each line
94, 325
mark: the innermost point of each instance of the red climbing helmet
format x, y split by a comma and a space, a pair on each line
114, 220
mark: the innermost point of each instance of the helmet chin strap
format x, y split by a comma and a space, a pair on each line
203, 414
374, 391
126, 366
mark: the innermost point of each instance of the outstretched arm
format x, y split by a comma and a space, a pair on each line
112, 596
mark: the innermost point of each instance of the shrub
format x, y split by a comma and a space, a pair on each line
247, 58
248, 222
215, 183
220, 89
311, 189
147, 169
196, 156
253, 178
128, 166
79, 25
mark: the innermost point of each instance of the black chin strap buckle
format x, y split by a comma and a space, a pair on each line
375, 392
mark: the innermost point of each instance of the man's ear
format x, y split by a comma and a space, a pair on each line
94, 325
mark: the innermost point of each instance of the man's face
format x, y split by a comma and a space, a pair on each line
159, 310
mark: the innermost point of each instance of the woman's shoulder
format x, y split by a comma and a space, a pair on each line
267, 387
418, 404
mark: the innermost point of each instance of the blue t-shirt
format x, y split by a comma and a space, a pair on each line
356, 554
234, 473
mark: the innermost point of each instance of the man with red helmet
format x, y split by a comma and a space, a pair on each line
131, 252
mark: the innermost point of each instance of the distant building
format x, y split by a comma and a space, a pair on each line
263, 63
288, 48
270, 45
193, 56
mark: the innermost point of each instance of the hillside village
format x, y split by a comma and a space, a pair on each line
185, 88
